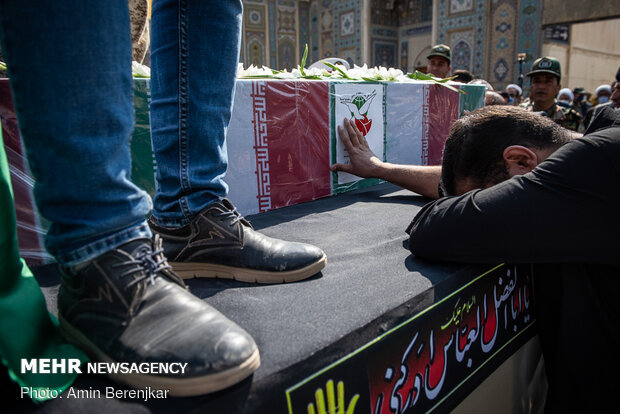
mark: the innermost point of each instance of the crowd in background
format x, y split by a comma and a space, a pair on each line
572, 108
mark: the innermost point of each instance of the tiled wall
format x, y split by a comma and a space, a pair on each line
485, 35
461, 25
276, 31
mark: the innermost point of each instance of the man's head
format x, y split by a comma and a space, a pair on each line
545, 79
514, 93
493, 98
615, 93
462, 76
439, 61
494, 143
565, 97
581, 96
603, 92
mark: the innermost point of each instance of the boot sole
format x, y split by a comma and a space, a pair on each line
191, 270
177, 387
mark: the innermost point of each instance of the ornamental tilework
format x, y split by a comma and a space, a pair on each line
502, 50
404, 23
461, 6
327, 20
528, 36
404, 13
382, 16
327, 44
273, 57
384, 53
347, 32
254, 17
286, 22
475, 19
286, 3
347, 23
485, 35
287, 58
462, 47
285, 36
255, 49
314, 44
304, 35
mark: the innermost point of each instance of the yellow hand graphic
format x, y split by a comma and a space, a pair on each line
332, 403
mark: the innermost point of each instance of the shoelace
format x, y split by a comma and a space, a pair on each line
149, 262
236, 216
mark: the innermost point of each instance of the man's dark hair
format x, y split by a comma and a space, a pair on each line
476, 143
462, 75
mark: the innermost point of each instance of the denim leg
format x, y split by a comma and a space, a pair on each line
194, 55
70, 71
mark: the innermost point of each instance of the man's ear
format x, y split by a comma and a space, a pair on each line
519, 160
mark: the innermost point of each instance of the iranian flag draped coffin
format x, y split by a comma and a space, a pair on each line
282, 136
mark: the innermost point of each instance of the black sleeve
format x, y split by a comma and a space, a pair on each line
566, 210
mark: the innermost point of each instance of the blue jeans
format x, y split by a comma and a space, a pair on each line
194, 55
70, 70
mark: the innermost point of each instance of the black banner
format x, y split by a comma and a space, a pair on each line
434, 358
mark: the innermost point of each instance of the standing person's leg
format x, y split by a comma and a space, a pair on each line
194, 55
70, 70
73, 98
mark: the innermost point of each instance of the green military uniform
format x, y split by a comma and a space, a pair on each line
566, 117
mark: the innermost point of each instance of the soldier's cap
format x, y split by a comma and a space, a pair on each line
441, 51
546, 64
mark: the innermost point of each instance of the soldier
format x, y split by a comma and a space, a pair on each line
545, 79
439, 61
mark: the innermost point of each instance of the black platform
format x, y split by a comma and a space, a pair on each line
371, 285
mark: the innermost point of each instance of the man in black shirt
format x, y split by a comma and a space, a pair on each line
563, 217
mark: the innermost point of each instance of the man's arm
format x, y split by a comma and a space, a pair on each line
421, 179
566, 210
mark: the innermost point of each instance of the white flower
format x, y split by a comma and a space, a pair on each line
390, 74
361, 72
317, 72
139, 70
252, 71
284, 75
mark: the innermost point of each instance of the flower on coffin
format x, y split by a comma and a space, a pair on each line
362, 72
284, 75
254, 71
357, 73
312, 73
139, 70
377, 73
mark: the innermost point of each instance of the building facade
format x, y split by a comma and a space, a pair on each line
486, 36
